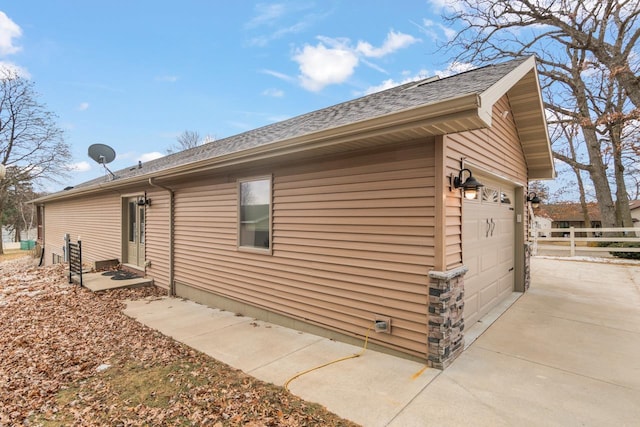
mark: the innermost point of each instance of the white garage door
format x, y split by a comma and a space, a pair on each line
488, 241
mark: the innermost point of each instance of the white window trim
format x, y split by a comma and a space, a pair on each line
253, 249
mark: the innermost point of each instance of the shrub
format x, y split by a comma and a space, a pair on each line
626, 255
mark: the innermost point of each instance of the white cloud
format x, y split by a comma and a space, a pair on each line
446, 5
278, 75
167, 78
264, 40
452, 68
276, 20
13, 69
321, 66
84, 106
389, 83
431, 28
448, 32
276, 93
386, 84
392, 43
374, 66
80, 167
334, 60
455, 68
276, 119
9, 30
265, 14
147, 157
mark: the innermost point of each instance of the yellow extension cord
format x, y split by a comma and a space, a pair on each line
353, 356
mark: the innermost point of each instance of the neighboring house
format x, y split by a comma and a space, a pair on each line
336, 218
634, 206
540, 224
566, 215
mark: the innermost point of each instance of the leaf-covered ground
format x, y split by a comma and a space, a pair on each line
70, 357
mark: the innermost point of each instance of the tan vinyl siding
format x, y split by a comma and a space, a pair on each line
157, 237
97, 219
352, 238
497, 150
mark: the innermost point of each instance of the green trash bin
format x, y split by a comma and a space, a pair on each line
26, 245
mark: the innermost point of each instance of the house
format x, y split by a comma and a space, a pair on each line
566, 215
340, 217
634, 206
540, 224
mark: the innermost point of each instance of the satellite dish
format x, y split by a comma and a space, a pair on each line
102, 153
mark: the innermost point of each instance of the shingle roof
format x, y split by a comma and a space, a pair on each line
396, 99
570, 211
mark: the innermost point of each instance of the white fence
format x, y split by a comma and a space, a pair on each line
564, 239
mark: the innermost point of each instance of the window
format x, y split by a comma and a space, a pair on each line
504, 198
254, 230
132, 222
489, 195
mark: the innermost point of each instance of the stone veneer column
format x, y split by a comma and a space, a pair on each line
446, 320
527, 266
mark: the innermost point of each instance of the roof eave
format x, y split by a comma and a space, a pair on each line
464, 108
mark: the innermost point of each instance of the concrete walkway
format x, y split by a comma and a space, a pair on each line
566, 353
97, 282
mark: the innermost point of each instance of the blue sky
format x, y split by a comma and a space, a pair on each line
136, 74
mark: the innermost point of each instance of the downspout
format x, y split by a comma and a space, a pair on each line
172, 286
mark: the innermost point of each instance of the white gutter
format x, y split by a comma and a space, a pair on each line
172, 290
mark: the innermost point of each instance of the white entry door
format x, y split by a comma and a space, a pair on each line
134, 218
488, 245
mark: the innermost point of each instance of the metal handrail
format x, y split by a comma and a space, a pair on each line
75, 260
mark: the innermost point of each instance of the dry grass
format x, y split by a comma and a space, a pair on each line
55, 336
10, 254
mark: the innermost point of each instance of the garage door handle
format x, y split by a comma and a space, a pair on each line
493, 226
488, 228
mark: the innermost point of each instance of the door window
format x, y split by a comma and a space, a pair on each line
132, 222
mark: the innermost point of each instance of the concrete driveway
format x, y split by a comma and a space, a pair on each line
566, 353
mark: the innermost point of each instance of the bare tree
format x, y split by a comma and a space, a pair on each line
607, 29
18, 213
565, 78
540, 189
613, 124
187, 139
32, 147
630, 159
566, 132
572, 39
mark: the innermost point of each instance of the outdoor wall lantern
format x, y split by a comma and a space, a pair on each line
144, 201
470, 186
533, 199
